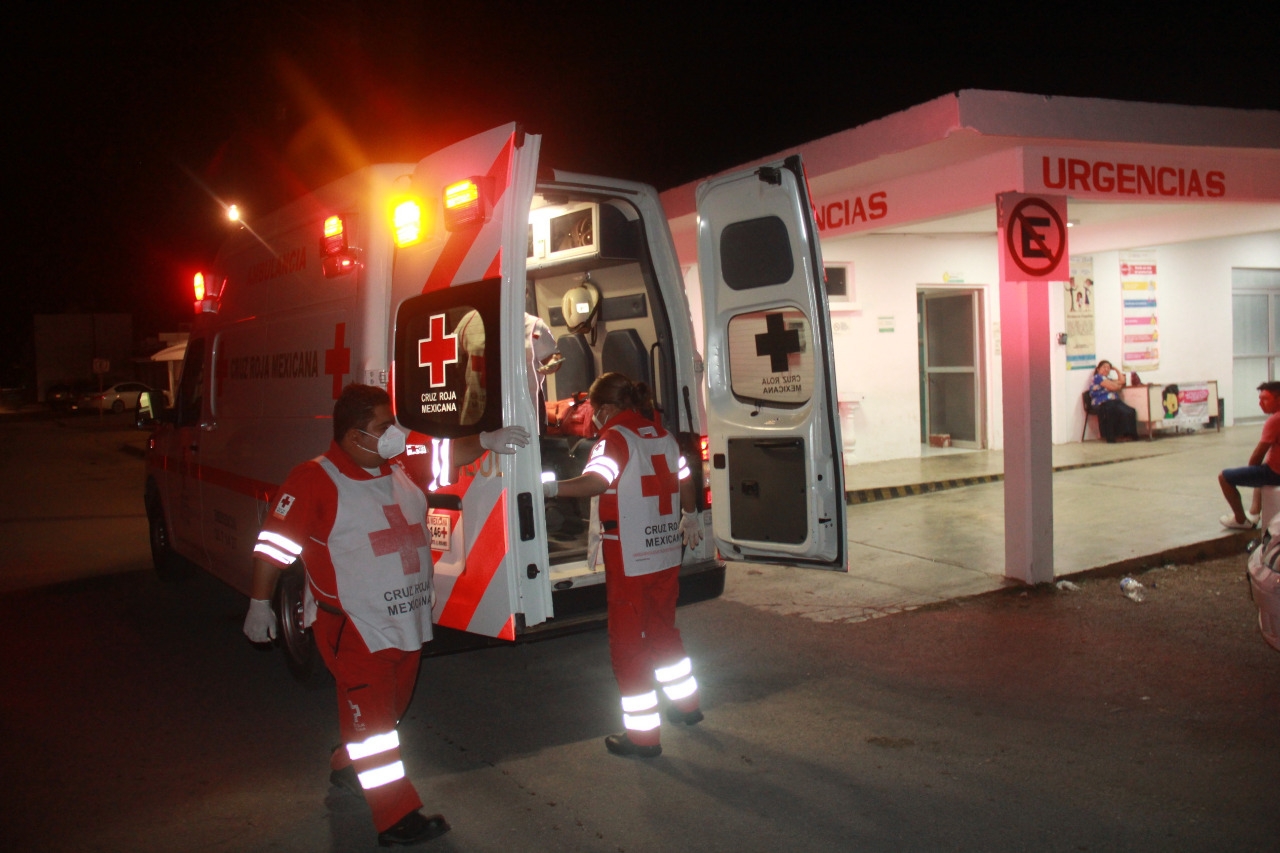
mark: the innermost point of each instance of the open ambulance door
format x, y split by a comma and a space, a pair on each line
458, 308
777, 472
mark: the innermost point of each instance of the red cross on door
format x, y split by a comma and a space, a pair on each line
662, 484
437, 350
401, 537
337, 361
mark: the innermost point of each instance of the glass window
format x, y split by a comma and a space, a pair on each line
756, 253
771, 358
447, 375
190, 391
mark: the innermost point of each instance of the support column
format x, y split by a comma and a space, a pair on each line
1028, 431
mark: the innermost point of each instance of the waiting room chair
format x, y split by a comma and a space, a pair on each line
1087, 399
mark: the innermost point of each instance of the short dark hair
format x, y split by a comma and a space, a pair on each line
1272, 387
354, 407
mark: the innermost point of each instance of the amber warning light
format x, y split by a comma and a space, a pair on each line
336, 256
465, 204
406, 223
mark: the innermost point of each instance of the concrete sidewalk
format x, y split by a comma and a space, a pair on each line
932, 529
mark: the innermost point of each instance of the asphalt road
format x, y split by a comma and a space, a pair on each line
136, 717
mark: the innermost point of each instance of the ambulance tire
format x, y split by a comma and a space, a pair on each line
168, 563
296, 641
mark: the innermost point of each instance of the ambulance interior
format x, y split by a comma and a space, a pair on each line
590, 279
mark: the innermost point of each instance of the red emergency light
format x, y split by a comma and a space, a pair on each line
704, 453
206, 299
467, 203
336, 255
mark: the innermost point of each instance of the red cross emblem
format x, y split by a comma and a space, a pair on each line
437, 350
662, 484
337, 361
401, 537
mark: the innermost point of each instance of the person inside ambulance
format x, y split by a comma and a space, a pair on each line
357, 522
543, 354
471, 338
647, 515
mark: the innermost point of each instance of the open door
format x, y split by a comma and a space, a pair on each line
777, 473
458, 307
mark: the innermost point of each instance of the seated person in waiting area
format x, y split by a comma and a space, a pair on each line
1264, 463
1116, 419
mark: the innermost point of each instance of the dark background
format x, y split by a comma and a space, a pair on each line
128, 123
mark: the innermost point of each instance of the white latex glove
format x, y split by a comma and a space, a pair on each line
260, 623
550, 488
506, 440
691, 528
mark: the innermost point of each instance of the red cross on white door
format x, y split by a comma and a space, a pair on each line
437, 350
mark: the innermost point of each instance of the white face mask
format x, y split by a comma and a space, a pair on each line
391, 443
598, 419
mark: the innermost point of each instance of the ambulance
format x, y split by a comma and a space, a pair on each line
424, 279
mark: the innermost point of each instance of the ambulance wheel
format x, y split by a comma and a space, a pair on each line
296, 641
167, 562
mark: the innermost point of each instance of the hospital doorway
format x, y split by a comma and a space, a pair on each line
1255, 338
950, 351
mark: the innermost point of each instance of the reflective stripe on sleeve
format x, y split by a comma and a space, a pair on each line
683, 465
281, 542
274, 554
604, 466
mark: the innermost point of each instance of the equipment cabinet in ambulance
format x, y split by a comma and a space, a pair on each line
420, 278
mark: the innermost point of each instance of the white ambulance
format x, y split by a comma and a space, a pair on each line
419, 278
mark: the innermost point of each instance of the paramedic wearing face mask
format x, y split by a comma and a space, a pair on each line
647, 515
357, 522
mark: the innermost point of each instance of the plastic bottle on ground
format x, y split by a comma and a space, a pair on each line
1132, 589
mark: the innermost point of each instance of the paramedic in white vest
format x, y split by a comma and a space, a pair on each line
647, 514
357, 522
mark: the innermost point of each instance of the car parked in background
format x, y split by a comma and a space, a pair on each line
62, 397
117, 398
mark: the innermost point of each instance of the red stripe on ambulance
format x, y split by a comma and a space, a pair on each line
485, 556
460, 243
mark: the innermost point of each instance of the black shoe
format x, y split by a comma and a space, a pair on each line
347, 780
622, 745
414, 828
688, 718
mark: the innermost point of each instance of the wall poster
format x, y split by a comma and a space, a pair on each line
1082, 351
1141, 343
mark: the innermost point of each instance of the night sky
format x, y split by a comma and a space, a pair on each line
125, 123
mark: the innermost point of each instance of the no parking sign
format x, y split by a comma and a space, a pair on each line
1033, 236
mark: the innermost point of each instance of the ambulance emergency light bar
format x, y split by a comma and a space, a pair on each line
336, 256
207, 298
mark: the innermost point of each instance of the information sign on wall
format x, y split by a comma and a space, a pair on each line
1082, 351
1141, 344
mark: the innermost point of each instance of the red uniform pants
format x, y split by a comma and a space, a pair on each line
374, 689
642, 630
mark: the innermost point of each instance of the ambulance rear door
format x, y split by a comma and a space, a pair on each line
458, 303
777, 472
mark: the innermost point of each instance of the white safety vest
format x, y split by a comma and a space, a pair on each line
381, 553
648, 485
